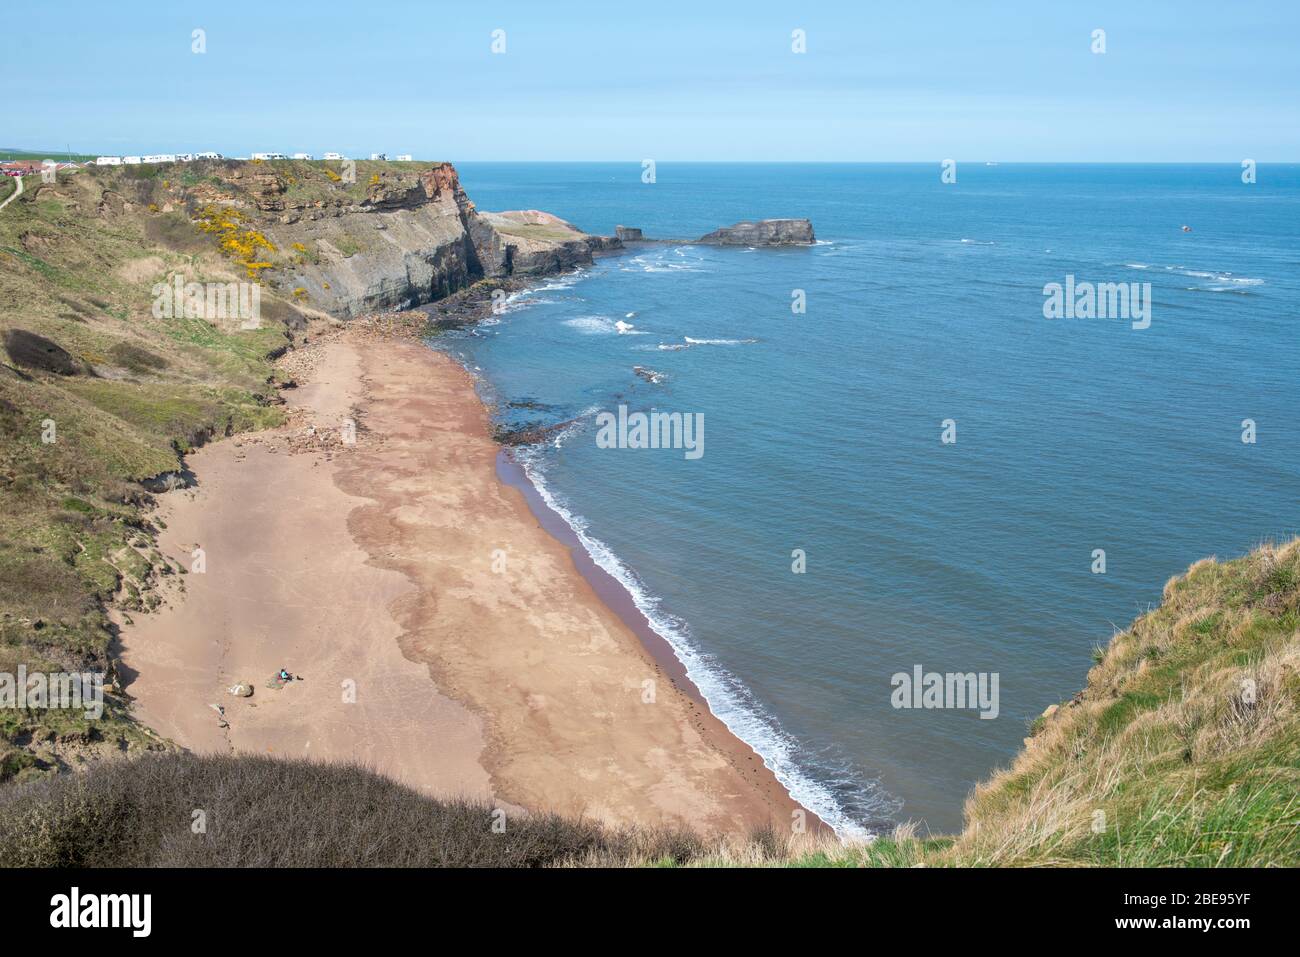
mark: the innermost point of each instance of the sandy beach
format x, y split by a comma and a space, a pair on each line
445, 637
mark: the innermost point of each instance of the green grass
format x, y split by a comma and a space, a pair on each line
347, 246
307, 181
76, 536
1186, 740
57, 155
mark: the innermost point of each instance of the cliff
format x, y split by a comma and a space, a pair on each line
381, 237
417, 238
529, 242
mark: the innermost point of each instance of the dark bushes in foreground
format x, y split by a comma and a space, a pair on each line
182, 810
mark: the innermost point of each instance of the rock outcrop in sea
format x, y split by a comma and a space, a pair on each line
763, 232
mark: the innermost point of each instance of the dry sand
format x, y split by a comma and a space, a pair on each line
401, 568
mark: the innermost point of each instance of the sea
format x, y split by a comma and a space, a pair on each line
907, 467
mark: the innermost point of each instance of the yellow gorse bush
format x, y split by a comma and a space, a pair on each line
234, 237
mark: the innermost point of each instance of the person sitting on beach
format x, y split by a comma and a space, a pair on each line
284, 675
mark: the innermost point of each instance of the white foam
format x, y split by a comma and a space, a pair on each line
578, 425
718, 342
1215, 276
1221, 277
726, 696
1237, 290
658, 262
592, 325
529, 296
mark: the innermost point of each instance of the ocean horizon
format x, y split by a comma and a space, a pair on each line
920, 469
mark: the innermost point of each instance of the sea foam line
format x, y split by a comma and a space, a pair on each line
726, 696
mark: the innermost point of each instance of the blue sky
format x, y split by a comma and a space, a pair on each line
921, 81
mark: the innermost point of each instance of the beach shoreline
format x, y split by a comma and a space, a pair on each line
485, 657
615, 595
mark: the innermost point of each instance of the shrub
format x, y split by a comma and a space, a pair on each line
261, 812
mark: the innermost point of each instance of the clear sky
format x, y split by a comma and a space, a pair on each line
880, 81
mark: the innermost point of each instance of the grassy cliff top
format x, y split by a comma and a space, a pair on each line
1184, 747
304, 180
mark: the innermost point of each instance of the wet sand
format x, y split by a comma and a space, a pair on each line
446, 637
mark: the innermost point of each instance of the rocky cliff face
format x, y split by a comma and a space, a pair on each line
529, 242
763, 232
405, 244
410, 243
348, 239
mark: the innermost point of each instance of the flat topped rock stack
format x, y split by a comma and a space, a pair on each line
763, 232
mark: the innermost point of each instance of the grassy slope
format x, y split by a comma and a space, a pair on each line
1184, 748
74, 535
38, 155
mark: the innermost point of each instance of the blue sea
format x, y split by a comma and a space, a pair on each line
823, 432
